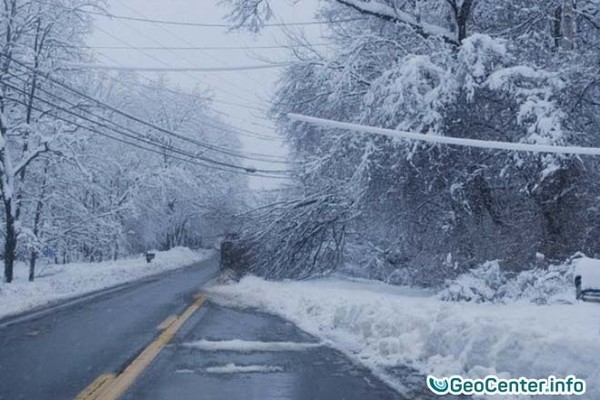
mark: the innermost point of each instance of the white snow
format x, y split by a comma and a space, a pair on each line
399, 15
184, 371
245, 346
393, 327
589, 270
455, 141
57, 282
234, 369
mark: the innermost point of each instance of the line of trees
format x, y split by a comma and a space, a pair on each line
75, 180
516, 70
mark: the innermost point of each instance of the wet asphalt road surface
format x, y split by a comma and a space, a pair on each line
312, 373
57, 354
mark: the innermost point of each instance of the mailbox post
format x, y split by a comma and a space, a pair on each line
149, 256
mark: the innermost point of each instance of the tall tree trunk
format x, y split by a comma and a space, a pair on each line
10, 242
32, 261
6, 171
568, 24
463, 18
36, 222
557, 27
115, 248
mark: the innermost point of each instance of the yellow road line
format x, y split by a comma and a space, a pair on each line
95, 387
167, 322
123, 381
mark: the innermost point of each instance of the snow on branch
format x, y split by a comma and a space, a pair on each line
395, 15
29, 157
484, 144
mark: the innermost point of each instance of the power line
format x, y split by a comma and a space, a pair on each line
139, 120
185, 41
199, 48
194, 77
454, 141
204, 145
204, 25
236, 130
239, 131
231, 103
173, 69
161, 61
134, 137
153, 150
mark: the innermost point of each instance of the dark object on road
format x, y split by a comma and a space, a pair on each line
150, 256
234, 253
586, 294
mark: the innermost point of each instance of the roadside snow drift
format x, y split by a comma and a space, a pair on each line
56, 282
385, 327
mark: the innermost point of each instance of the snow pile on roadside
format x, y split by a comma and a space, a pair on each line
385, 327
57, 282
488, 283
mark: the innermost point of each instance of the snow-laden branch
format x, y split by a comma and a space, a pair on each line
483, 144
395, 15
29, 157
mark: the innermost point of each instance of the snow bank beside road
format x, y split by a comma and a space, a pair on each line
56, 282
386, 327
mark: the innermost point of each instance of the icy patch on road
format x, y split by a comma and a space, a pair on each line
247, 346
57, 281
236, 369
387, 329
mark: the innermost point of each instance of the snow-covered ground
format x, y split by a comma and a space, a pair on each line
385, 327
57, 282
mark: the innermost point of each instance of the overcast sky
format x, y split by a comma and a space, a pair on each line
233, 91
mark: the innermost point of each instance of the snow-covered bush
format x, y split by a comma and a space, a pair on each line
479, 285
488, 283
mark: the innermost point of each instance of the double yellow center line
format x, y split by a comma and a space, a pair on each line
113, 386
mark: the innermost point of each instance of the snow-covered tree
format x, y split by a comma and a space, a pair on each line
518, 71
32, 33
95, 166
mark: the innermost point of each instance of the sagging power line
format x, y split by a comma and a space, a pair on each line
454, 141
